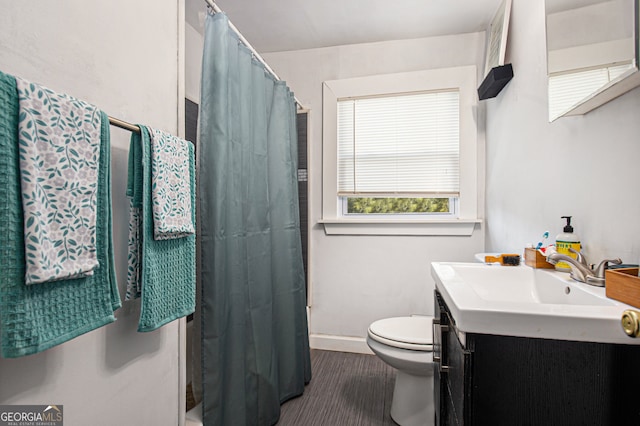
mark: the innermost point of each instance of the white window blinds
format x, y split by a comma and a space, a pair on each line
569, 89
400, 145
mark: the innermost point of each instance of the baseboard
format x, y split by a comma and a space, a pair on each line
329, 342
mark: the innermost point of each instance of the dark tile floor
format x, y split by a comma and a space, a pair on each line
345, 390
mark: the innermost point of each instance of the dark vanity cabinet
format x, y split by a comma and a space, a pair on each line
485, 379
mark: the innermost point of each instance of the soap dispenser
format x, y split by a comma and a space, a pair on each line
564, 241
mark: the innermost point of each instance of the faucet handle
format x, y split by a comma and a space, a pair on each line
580, 257
604, 265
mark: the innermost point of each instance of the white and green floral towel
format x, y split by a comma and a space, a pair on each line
134, 257
59, 143
170, 186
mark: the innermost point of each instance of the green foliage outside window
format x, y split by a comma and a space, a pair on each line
397, 205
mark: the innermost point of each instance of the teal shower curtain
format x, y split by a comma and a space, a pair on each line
255, 347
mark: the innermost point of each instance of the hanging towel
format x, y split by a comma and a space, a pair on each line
170, 184
37, 317
134, 256
59, 138
134, 192
168, 267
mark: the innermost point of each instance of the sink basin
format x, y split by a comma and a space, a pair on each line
527, 302
526, 285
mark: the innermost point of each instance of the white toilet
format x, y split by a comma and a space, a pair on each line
406, 344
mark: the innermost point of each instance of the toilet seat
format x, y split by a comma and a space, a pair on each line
415, 333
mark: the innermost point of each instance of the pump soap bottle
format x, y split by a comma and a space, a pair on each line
564, 242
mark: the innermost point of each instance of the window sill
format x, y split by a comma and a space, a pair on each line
360, 226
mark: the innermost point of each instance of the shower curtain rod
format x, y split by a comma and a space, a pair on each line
254, 52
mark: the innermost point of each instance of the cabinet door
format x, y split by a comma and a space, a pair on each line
453, 371
458, 363
438, 381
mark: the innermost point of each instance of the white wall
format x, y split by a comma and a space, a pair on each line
194, 43
584, 166
358, 279
123, 57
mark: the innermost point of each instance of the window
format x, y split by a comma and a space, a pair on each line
401, 149
399, 154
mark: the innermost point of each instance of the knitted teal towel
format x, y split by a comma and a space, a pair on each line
35, 318
168, 266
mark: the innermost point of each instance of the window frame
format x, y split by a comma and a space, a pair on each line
463, 79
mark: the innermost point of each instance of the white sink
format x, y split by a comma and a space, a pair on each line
528, 302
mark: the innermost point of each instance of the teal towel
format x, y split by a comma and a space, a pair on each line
168, 266
134, 244
35, 318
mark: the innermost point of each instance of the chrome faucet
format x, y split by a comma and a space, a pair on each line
580, 269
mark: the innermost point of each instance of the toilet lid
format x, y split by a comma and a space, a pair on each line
404, 332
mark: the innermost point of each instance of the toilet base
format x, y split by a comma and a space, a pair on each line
412, 403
